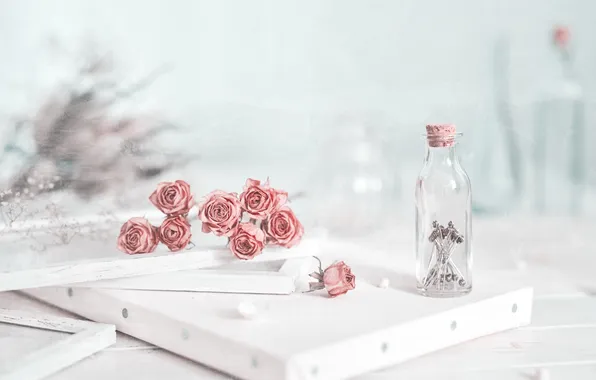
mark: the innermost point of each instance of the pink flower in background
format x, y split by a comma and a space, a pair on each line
338, 279
247, 242
283, 228
137, 236
220, 212
173, 198
561, 36
175, 233
260, 200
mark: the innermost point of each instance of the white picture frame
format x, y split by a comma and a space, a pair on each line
280, 281
86, 339
138, 265
307, 337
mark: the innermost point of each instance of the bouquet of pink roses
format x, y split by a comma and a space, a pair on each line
259, 216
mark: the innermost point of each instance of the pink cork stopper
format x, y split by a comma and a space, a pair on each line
440, 135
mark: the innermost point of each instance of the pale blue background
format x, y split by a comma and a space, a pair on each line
264, 83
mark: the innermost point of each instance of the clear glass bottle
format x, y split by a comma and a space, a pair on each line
443, 218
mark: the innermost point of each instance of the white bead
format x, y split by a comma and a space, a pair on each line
247, 310
384, 284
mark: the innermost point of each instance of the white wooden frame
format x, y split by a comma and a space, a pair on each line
137, 265
282, 281
437, 324
87, 339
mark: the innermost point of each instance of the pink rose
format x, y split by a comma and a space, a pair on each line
338, 279
175, 233
173, 198
259, 201
561, 36
220, 213
137, 236
247, 242
283, 228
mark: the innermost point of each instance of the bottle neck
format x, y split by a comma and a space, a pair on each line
443, 156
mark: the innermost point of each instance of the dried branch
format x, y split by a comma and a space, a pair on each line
78, 141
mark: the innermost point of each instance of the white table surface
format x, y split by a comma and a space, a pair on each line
553, 255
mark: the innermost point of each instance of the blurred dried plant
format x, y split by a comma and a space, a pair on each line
84, 142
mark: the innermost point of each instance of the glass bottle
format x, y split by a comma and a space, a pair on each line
443, 218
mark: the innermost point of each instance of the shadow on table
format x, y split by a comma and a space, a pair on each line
405, 282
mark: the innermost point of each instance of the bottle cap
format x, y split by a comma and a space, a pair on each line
440, 135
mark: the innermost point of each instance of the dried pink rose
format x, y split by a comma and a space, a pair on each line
561, 36
338, 279
247, 242
220, 212
260, 200
175, 233
173, 198
283, 228
137, 235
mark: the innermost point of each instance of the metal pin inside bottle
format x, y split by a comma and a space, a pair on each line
441, 268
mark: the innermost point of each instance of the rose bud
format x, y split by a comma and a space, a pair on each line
173, 198
338, 279
259, 201
247, 242
137, 236
561, 36
283, 228
220, 213
175, 233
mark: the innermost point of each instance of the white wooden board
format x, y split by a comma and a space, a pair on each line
254, 279
303, 336
87, 338
137, 265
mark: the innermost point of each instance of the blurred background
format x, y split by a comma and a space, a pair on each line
100, 100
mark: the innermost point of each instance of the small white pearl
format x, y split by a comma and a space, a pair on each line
384, 284
247, 310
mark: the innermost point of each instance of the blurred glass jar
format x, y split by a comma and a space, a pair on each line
355, 182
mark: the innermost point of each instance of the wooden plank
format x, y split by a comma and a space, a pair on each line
562, 334
130, 266
60, 355
23, 302
52, 323
87, 338
579, 310
521, 349
578, 371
